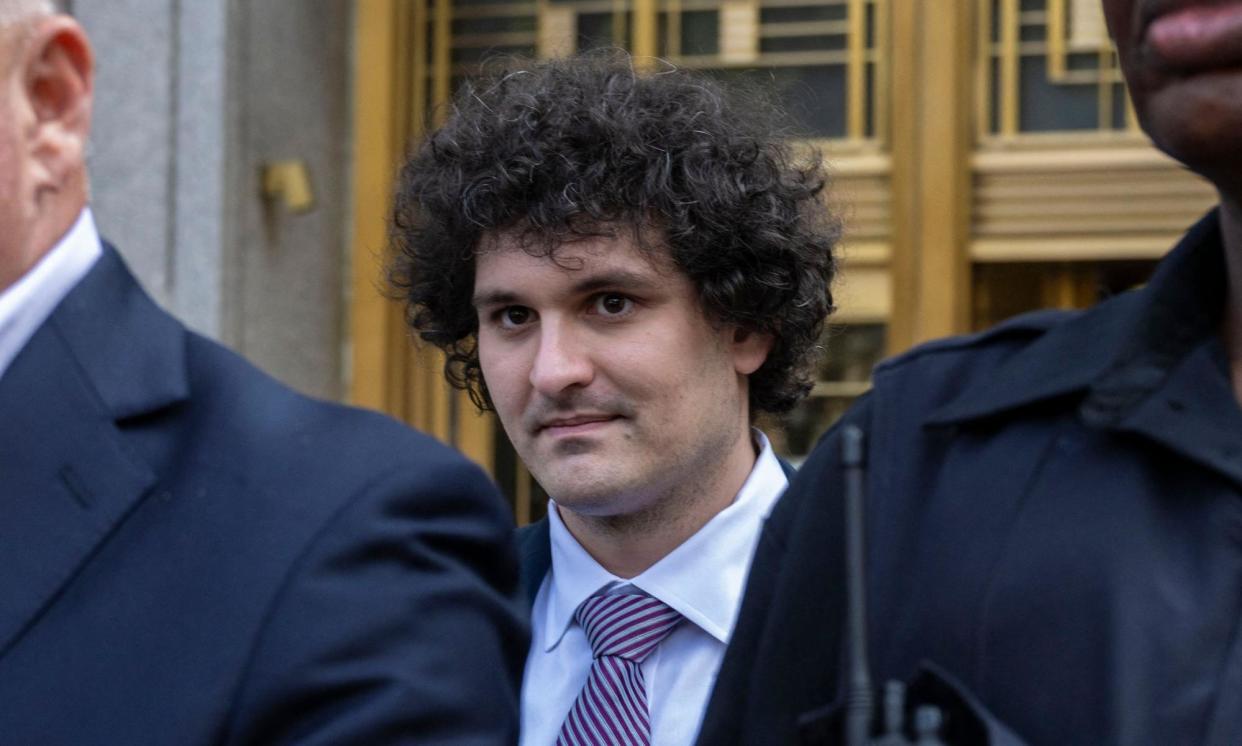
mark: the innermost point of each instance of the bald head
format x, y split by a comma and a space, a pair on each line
13, 14
12, 11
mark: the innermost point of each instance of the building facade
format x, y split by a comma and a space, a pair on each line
985, 156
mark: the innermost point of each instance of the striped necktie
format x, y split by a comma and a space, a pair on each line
611, 709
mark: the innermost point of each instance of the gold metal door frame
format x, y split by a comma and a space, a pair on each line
393, 90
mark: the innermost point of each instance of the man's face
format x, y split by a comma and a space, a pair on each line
1183, 62
613, 386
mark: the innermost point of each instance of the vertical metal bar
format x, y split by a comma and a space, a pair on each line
1056, 36
557, 24
644, 41
856, 70
983, 70
443, 64
1132, 122
672, 9
426, 391
403, 362
418, 68
739, 32
1104, 90
1010, 24
375, 142
905, 18
881, 86
438, 393
618, 23
1131, 116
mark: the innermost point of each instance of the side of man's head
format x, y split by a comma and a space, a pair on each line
1183, 64
12, 11
625, 267
46, 74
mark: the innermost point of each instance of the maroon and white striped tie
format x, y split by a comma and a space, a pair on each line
611, 709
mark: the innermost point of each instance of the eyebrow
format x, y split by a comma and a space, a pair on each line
494, 298
618, 279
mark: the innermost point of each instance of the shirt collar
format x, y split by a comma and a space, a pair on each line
1117, 352
702, 579
26, 304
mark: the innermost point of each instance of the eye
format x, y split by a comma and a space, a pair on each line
612, 304
512, 317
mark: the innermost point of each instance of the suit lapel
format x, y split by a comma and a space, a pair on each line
535, 546
67, 474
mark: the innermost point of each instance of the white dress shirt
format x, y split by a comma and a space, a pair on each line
703, 579
26, 304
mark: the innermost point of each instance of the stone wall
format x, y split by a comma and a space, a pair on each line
192, 98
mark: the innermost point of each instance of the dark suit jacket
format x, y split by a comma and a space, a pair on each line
1053, 518
191, 553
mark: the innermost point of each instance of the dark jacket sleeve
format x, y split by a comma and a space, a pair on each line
400, 622
782, 659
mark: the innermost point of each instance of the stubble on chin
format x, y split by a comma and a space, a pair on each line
618, 509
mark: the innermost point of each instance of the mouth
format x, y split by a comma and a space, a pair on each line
578, 424
1193, 37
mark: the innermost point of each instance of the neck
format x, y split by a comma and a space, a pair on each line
38, 238
1231, 230
626, 545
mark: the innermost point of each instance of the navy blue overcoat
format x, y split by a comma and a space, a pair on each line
191, 553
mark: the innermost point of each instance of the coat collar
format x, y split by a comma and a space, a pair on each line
1117, 352
132, 352
70, 475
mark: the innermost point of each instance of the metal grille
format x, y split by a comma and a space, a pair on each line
1048, 66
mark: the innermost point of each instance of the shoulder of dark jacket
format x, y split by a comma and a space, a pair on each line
1031, 358
535, 556
1011, 334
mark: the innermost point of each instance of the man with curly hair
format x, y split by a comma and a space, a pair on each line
626, 268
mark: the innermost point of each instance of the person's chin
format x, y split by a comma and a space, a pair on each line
585, 494
570, 475
1198, 121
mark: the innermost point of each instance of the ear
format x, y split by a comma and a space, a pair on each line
58, 83
750, 349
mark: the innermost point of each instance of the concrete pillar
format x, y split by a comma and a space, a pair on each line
192, 98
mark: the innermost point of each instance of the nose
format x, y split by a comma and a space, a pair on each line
562, 359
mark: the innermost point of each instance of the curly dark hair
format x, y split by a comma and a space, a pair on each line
575, 147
